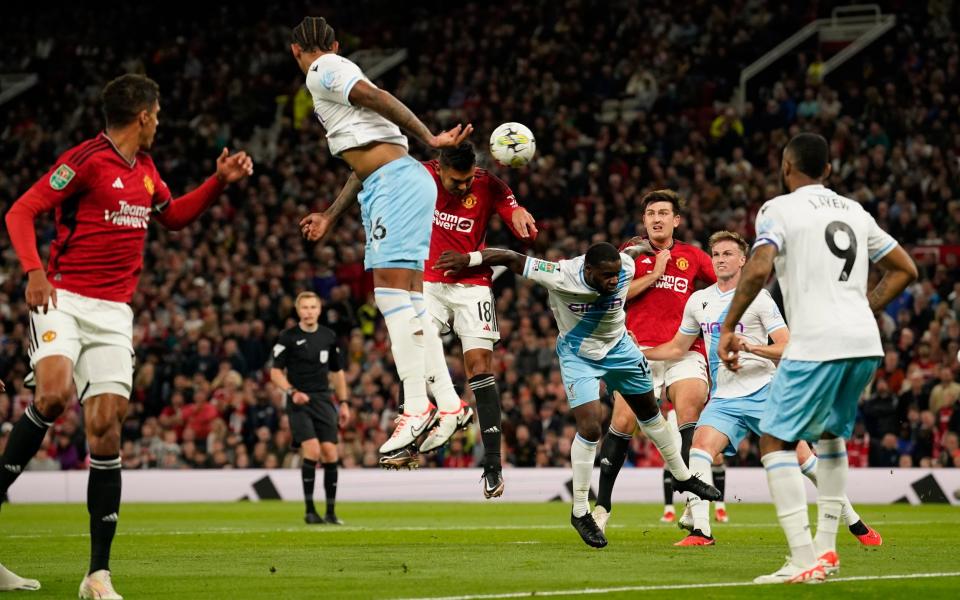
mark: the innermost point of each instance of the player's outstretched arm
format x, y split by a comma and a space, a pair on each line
387, 105
900, 271
180, 212
638, 249
672, 350
316, 226
754, 275
772, 351
451, 262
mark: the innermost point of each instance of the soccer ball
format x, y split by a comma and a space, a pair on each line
512, 145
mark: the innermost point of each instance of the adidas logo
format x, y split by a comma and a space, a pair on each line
646, 261
606, 462
15, 469
117, 184
493, 429
111, 518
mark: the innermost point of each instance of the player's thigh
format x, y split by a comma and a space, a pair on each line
687, 386
581, 379
657, 376
105, 364
474, 312
53, 345
439, 307
622, 419
627, 369
397, 205
720, 428
588, 416
857, 373
801, 399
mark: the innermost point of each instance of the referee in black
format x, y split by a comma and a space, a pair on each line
306, 361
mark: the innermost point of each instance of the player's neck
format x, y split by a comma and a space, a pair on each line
725, 285
126, 141
666, 245
309, 329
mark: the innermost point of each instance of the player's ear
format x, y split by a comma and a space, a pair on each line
827, 171
295, 50
335, 48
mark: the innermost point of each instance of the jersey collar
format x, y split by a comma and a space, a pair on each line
129, 163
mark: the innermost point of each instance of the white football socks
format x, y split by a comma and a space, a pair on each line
406, 343
789, 497
809, 468
582, 454
701, 467
664, 438
831, 485
438, 375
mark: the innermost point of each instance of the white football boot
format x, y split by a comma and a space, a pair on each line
97, 586
10, 581
601, 516
447, 424
409, 428
790, 573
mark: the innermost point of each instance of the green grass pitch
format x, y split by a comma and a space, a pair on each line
263, 550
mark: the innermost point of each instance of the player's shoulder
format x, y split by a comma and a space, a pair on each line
703, 294
681, 248
326, 333
632, 242
80, 154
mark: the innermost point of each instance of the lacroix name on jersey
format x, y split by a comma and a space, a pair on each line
672, 282
452, 222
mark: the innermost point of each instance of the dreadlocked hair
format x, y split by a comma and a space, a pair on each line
314, 33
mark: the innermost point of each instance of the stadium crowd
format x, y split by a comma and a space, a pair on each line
621, 100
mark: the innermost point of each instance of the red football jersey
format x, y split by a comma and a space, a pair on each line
103, 207
460, 223
654, 316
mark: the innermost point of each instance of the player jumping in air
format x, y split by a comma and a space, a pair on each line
587, 295
736, 400
105, 192
821, 245
397, 198
656, 299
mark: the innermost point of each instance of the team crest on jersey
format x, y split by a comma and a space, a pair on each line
148, 183
49, 336
469, 201
682, 263
61, 177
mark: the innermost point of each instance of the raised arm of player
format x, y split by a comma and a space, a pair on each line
178, 213
388, 106
521, 222
639, 249
752, 278
316, 226
451, 262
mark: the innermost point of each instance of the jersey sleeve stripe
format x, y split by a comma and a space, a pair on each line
348, 87
688, 331
883, 251
761, 241
776, 327
79, 157
526, 267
